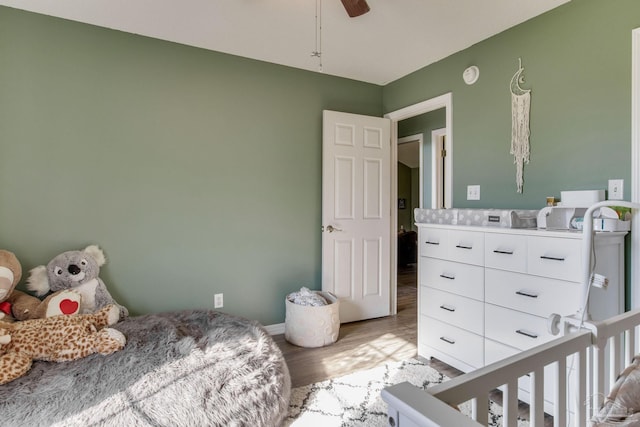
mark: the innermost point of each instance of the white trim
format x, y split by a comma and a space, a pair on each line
436, 173
393, 252
443, 101
421, 174
635, 167
276, 329
419, 138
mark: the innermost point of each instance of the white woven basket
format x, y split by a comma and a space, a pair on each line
309, 326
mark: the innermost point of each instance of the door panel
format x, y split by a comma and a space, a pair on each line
344, 170
372, 267
356, 213
372, 190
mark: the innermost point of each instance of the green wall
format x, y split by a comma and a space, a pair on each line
196, 172
424, 124
577, 61
200, 172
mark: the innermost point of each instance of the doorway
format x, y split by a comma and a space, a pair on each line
406, 116
410, 181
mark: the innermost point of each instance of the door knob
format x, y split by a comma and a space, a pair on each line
331, 229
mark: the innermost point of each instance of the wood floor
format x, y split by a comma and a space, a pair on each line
370, 343
360, 345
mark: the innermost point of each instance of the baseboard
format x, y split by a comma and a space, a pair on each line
275, 329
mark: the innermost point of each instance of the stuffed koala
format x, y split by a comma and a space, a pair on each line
57, 339
21, 306
77, 271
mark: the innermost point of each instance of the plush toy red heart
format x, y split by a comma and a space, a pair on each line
79, 271
17, 305
69, 307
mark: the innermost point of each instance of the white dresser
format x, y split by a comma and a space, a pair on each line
486, 293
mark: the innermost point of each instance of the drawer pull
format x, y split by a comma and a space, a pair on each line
444, 276
464, 247
526, 333
527, 294
498, 251
552, 258
447, 340
448, 308
431, 243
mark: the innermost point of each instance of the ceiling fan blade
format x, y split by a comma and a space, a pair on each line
355, 7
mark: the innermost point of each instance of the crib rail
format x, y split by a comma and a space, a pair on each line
614, 344
476, 386
595, 354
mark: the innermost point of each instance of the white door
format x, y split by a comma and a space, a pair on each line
356, 213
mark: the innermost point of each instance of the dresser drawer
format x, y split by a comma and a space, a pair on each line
557, 258
520, 330
495, 351
466, 246
461, 279
458, 343
433, 242
506, 252
534, 295
457, 310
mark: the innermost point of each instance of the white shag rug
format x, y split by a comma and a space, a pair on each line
354, 400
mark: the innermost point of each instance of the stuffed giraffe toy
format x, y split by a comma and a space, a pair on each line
57, 339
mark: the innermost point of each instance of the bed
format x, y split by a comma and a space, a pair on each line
185, 368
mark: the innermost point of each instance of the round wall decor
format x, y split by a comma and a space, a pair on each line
471, 74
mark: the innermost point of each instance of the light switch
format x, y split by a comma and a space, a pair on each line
473, 192
616, 189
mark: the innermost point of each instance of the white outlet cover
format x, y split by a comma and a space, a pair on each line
218, 301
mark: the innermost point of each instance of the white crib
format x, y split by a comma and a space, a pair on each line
590, 356
584, 351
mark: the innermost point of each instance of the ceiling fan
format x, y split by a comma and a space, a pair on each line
355, 7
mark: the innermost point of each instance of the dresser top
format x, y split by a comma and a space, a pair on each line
567, 234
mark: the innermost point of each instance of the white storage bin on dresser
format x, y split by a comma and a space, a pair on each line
490, 291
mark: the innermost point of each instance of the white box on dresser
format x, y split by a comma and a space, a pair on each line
486, 293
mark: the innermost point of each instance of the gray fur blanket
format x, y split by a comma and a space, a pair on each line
189, 368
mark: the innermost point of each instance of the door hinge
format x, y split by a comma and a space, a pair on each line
443, 153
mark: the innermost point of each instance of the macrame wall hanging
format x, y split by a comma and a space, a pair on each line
520, 107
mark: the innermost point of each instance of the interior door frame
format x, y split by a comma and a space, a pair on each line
635, 165
436, 175
443, 101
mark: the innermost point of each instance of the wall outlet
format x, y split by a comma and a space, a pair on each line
473, 192
218, 301
616, 189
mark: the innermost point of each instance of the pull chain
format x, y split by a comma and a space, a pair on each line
318, 52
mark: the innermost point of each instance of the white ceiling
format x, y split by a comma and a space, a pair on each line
394, 39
